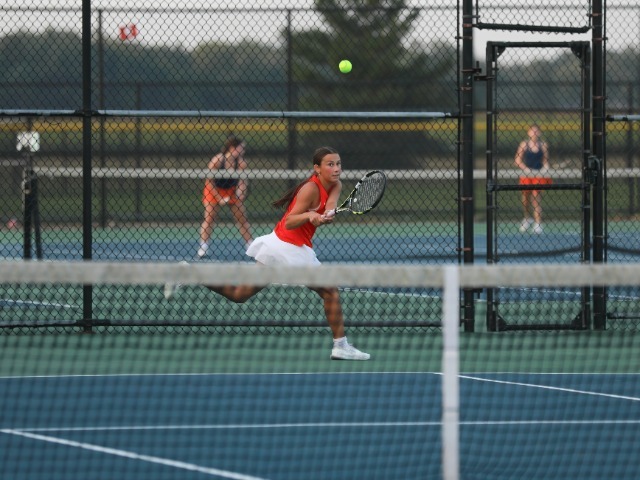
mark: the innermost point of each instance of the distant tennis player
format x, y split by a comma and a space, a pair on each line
225, 191
308, 205
532, 157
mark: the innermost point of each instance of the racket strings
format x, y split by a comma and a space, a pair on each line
369, 193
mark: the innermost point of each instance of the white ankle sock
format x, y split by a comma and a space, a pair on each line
340, 342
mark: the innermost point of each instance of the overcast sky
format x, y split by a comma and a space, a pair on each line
188, 30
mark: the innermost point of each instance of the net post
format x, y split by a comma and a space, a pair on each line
35, 213
450, 372
28, 142
27, 212
31, 211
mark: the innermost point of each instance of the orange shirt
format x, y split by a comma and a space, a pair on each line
304, 233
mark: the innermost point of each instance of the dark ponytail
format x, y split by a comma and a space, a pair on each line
285, 200
230, 142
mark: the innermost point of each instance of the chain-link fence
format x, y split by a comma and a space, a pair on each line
172, 88
170, 85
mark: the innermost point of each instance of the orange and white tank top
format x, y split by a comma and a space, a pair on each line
304, 233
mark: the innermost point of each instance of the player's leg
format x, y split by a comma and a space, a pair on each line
536, 206
210, 213
236, 293
239, 212
527, 219
332, 309
342, 350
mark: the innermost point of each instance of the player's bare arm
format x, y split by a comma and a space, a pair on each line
307, 199
215, 162
334, 196
332, 203
519, 153
243, 184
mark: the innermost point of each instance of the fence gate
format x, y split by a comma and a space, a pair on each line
541, 115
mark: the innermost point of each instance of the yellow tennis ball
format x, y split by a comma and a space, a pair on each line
345, 66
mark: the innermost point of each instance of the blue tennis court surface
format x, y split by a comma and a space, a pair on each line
402, 242
317, 426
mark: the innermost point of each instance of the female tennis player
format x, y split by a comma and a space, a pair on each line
308, 206
225, 191
532, 157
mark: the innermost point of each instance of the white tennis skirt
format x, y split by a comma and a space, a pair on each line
270, 250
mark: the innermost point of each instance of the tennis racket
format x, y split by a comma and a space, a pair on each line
366, 194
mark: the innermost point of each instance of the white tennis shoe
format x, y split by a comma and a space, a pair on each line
348, 352
526, 223
202, 251
170, 289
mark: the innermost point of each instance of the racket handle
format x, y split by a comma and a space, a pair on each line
329, 214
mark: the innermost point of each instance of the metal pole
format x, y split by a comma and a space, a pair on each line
598, 135
291, 97
101, 103
467, 112
87, 239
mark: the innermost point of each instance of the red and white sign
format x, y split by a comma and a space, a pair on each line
128, 32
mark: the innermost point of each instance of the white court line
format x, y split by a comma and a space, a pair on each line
29, 303
231, 374
135, 456
388, 293
438, 423
215, 374
551, 422
237, 426
548, 387
566, 293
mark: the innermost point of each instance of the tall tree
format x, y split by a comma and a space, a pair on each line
390, 72
40, 70
247, 75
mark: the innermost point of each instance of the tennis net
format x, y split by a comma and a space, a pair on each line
169, 194
155, 214
124, 194
156, 404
